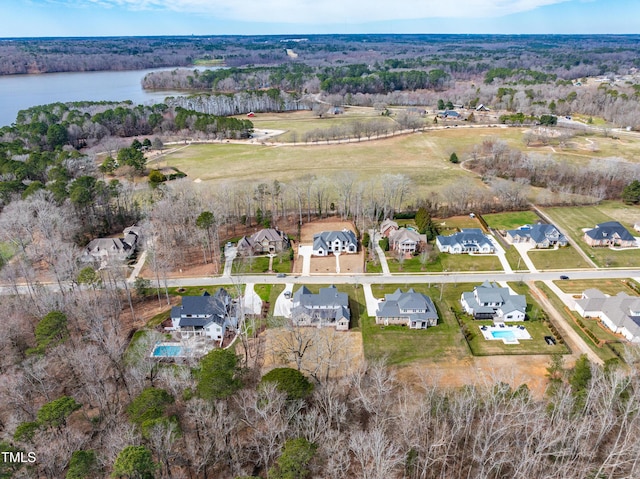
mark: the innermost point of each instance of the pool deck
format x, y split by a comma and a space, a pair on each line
194, 347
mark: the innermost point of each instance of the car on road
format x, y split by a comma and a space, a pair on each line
281, 275
564, 276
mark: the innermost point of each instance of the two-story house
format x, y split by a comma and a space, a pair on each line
411, 309
205, 315
491, 301
344, 241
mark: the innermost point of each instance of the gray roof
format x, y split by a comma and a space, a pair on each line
107, 244
326, 237
214, 308
489, 292
334, 303
539, 232
621, 309
414, 306
270, 234
466, 236
609, 229
406, 235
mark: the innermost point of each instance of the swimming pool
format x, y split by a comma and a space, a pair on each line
167, 351
507, 334
503, 334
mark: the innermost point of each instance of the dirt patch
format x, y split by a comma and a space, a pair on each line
327, 224
482, 371
339, 352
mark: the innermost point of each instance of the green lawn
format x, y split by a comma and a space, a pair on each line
511, 220
401, 345
573, 219
444, 262
447, 226
607, 286
514, 259
562, 258
260, 264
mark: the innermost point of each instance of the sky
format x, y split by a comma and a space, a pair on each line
81, 18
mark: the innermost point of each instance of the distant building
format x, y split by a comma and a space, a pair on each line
471, 240
411, 309
327, 308
344, 241
491, 301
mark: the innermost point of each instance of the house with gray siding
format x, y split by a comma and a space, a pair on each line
409, 309
328, 308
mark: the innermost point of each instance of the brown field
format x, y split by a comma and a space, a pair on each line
327, 224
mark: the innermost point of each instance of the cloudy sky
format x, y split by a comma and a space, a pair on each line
42, 18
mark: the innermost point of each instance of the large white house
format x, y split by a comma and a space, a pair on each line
491, 301
103, 250
620, 313
344, 241
470, 240
205, 315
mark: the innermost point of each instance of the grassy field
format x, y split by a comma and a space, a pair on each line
511, 220
562, 258
575, 218
401, 345
514, 259
260, 264
451, 225
607, 286
444, 262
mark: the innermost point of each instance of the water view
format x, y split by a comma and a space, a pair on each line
18, 92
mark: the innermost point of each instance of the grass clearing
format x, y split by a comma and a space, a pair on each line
562, 258
401, 345
511, 220
260, 264
574, 219
607, 286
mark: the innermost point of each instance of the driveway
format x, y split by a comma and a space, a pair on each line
252, 302
523, 249
283, 304
230, 252
500, 253
372, 302
305, 252
383, 259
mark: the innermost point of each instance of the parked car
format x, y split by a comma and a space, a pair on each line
281, 275
564, 276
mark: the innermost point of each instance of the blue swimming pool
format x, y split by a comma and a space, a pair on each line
503, 335
167, 351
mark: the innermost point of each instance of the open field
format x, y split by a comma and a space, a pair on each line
573, 219
607, 286
447, 226
561, 258
510, 220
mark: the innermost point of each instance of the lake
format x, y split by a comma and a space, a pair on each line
18, 92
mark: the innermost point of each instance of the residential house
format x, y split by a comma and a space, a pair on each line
470, 240
450, 114
539, 235
104, 250
491, 301
327, 308
411, 309
610, 233
344, 241
265, 241
387, 227
406, 240
205, 315
620, 313
481, 107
